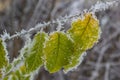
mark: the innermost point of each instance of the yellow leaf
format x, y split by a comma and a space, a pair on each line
85, 33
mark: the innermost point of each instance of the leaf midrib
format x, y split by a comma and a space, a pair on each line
57, 49
86, 26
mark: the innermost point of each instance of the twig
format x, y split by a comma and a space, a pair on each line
95, 73
106, 77
100, 6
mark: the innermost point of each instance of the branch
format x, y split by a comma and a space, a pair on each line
99, 6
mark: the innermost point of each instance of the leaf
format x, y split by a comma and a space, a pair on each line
85, 33
13, 77
35, 53
23, 69
17, 75
0, 73
11, 67
3, 60
6, 78
57, 51
21, 74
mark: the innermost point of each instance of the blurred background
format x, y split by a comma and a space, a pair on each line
102, 62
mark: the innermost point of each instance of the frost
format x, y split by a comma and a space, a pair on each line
65, 44
17, 63
100, 6
81, 58
5, 48
59, 25
5, 36
32, 74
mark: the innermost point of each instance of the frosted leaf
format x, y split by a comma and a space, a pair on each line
57, 51
85, 33
34, 53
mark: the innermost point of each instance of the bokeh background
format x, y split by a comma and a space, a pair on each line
102, 62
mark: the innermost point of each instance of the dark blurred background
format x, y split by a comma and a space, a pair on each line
102, 62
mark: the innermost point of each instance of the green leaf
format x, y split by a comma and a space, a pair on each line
57, 51
13, 77
85, 33
0, 73
35, 53
12, 67
3, 59
17, 75
6, 78
20, 74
